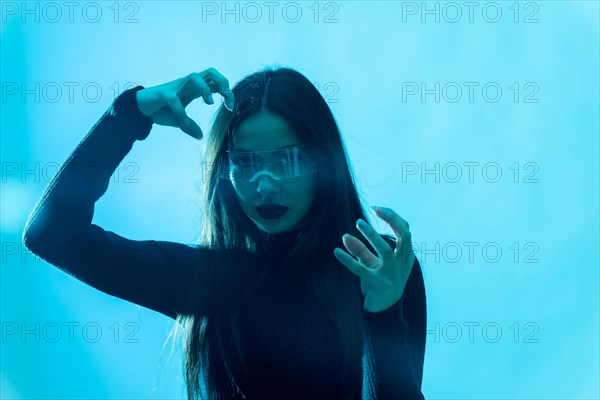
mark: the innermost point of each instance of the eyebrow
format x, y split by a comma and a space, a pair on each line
279, 148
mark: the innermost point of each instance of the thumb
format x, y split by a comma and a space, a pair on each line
191, 128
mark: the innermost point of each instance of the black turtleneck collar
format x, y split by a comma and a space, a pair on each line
278, 247
282, 239
280, 244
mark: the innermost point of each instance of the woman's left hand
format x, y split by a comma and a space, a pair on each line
382, 277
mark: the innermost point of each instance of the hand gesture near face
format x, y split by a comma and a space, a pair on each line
383, 276
166, 103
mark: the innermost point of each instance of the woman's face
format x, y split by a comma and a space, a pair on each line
266, 131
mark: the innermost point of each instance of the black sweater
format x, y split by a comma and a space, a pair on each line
288, 341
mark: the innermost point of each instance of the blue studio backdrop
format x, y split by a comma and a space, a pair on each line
477, 122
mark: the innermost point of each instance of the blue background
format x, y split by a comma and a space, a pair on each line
533, 308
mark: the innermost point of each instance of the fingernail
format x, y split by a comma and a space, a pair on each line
361, 223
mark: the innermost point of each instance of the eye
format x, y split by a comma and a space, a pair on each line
242, 159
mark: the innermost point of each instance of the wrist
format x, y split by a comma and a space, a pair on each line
376, 304
125, 109
140, 97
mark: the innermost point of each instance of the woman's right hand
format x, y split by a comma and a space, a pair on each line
166, 103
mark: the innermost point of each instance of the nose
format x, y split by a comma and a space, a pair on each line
266, 185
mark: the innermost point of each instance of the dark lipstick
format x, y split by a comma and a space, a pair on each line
271, 211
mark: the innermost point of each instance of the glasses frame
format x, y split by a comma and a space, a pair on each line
227, 174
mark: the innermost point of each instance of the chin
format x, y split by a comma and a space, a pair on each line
274, 226
273, 229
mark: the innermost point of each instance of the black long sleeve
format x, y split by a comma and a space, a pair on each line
394, 355
155, 274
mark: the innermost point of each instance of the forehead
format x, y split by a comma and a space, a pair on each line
263, 131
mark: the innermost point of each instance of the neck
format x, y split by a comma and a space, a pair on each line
291, 234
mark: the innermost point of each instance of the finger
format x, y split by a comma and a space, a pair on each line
354, 266
193, 129
184, 122
360, 251
380, 246
196, 86
399, 226
405, 250
222, 86
388, 215
178, 110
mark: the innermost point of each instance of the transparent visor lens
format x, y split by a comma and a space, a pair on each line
287, 164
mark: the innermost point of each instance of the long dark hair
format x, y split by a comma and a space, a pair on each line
225, 226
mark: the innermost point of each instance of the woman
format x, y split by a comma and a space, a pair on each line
268, 309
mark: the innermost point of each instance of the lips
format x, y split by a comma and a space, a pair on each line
271, 211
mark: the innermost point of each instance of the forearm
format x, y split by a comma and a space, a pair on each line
67, 204
387, 364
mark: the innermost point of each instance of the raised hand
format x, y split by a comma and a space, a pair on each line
383, 276
166, 103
